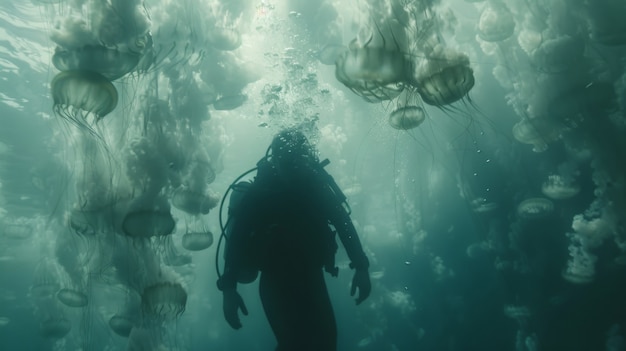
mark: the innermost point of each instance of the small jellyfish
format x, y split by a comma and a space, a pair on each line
72, 298
197, 241
537, 132
193, 202
121, 325
83, 97
55, 327
164, 301
559, 188
440, 86
536, 207
496, 23
407, 117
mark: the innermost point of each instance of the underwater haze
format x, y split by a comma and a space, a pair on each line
481, 145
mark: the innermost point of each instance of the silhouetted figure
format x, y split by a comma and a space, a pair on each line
283, 225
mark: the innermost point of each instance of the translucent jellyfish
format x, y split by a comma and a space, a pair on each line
110, 63
17, 231
537, 132
536, 207
197, 241
121, 325
482, 205
55, 327
375, 74
444, 80
229, 102
519, 313
72, 298
224, 38
164, 301
407, 117
580, 267
146, 223
46, 281
496, 23
171, 255
193, 202
83, 97
559, 188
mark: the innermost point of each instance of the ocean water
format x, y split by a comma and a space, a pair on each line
481, 145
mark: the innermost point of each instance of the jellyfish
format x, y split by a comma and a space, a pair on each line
46, 281
536, 207
537, 132
193, 202
164, 301
496, 23
72, 298
197, 241
121, 325
330, 53
559, 188
55, 327
443, 83
171, 255
231, 102
375, 74
83, 97
407, 117
110, 63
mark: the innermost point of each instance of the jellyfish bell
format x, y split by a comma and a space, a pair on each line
496, 23
197, 241
110, 63
407, 117
537, 132
559, 188
121, 325
83, 97
164, 301
72, 298
146, 217
534, 208
55, 327
445, 78
375, 74
193, 202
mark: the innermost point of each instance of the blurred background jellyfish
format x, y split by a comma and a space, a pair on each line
197, 241
72, 298
121, 325
163, 301
538, 132
83, 98
496, 22
534, 208
557, 187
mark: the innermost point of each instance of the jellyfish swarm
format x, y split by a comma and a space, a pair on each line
110, 63
375, 74
407, 117
444, 79
197, 241
536, 207
72, 298
163, 301
83, 97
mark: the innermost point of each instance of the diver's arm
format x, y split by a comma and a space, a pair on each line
349, 238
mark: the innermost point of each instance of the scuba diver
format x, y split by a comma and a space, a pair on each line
283, 224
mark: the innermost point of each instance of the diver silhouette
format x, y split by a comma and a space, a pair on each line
283, 224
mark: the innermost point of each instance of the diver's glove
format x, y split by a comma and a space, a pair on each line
232, 303
361, 280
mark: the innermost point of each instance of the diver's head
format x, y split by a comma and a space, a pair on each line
292, 152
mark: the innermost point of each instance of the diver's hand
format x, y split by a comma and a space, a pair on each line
232, 303
361, 280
